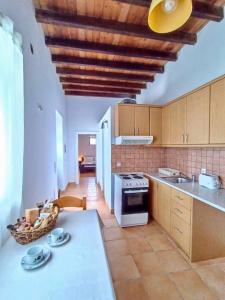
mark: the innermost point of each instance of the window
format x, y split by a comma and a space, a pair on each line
92, 140
11, 125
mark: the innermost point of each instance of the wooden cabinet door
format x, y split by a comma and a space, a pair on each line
198, 117
217, 113
156, 125
126, 119
166, 125
163, 197
142, 120
154, 199
178, 122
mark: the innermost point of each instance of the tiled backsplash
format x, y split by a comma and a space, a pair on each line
190, 161
136, 158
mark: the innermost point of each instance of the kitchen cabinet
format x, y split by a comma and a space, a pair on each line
163, 206
178, 122
166, 125
142, 120
197, 125
154, 203
156, 124
139, 120
197, 228
217, 112
125, 120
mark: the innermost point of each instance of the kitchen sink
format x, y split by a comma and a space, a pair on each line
175, 179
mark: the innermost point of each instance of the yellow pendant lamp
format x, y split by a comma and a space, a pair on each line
168, 15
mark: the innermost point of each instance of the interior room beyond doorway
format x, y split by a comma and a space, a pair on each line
87, 155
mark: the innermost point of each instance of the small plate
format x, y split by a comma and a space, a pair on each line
37, 264
60, 243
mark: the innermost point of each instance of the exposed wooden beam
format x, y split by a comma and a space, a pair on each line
110, 26
112, 75
122, 84
118, 65
201, 10
94, 94
55, 42
92, 88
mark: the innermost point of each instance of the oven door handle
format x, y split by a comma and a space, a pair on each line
135, 192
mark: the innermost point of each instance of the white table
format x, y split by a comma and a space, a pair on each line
78, 270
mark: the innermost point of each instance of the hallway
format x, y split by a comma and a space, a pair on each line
146, 264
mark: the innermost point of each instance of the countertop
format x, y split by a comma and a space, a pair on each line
214, 198
76, 270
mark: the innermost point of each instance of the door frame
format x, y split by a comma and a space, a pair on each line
77, 177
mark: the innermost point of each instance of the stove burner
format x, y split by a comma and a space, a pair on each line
137, 177
126, 178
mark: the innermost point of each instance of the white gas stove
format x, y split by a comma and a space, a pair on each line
131, 199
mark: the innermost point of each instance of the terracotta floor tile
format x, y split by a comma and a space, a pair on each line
110, 222
214, 277
124, 268
148, 263
130, 290
112, 234
117, 248
159, 242
160, 287
172, 261
138, 245
191, 286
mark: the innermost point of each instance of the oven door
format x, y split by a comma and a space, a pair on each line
134, 201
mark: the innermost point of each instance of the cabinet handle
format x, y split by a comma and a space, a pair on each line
177, 209
186, 138
178, 197
183, 138
177, 229
138, 131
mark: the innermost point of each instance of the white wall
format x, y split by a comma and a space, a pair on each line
41, 86
196, 65
83, 114
104, 157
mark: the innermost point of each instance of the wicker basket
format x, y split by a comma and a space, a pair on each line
26, 237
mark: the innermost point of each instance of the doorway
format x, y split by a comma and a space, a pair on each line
86, 155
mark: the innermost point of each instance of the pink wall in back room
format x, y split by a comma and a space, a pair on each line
187, 160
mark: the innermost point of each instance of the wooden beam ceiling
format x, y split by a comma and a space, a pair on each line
94, 94
110, 51
118, 65
103, 25
92, 88
111, 75
122, 84
86, 46
201, 10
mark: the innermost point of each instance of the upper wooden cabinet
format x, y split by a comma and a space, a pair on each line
178, 122
166, 125
197, 125
156, 124
142, 120
217, 113
124, 120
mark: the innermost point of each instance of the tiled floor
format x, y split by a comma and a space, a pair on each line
146, 264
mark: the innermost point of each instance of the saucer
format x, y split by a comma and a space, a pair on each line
38, 263
59, 243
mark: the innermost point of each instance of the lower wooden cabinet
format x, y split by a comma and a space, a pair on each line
197, 228
163, 205
181, 232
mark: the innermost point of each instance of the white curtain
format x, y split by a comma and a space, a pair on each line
11, 125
